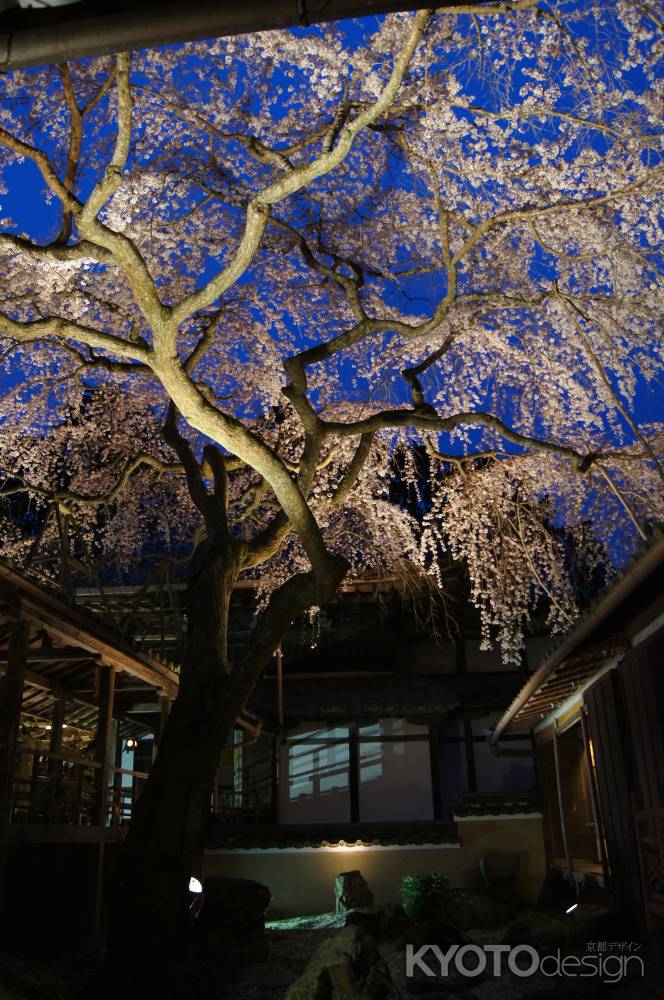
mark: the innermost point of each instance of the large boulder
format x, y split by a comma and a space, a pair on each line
347, 966
385, 922
431, 901
351, 892
232, 917
475, 910
500, 870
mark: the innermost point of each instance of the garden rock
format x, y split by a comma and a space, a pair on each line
232, 917
474, 909
393, 921
352, 892
347, 966
386, 922
499, 872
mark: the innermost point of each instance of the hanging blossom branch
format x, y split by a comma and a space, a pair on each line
162, 358
65, 498
324, 465
292, 244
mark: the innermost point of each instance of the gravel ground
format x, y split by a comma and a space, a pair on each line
293, 942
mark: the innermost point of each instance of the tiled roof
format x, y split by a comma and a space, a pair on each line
509, 804
228, 837
365, 698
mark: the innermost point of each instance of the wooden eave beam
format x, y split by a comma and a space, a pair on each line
25, 599
36, 680
56, 654
73, 695
585, 630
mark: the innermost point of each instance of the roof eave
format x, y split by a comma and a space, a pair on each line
612, 598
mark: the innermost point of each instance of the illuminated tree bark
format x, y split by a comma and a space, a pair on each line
276, 260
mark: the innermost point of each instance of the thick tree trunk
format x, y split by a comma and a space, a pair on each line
148, 899
150, 894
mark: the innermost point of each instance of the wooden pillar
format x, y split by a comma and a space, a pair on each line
470, 756
597, 819
215, 788
276, 750
35, 783
10, 717
105, 683
57, 722
116, 808
280, 687
106, 691
164, 712
55, 766
435, 773
561, 810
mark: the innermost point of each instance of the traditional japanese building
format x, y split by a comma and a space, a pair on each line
373, 743
369, 743
80, 715
595, 708
368, 734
